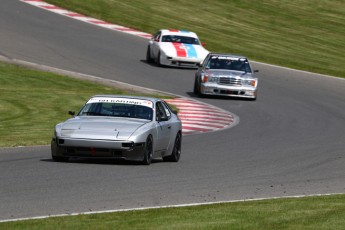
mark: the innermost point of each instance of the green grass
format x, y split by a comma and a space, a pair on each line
33, 102
302, 34
326, 212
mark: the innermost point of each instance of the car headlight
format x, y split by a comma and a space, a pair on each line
208, 78
251, 82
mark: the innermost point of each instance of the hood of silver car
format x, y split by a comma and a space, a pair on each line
229, 73
100, 128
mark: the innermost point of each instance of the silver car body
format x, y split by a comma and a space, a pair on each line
113, 126
226, 75
176, 48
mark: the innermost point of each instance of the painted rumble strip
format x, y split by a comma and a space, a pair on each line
197, 117
80, 17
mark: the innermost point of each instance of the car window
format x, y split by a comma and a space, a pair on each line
157, 36
117, 110
161, 111
180, 39
167, 111
228, 64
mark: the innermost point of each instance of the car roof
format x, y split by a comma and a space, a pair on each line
127, 97
179, 32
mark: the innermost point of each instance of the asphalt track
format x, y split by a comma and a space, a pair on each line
291, 141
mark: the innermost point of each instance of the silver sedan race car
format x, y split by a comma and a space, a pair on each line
178, 48
113, 126
226, 75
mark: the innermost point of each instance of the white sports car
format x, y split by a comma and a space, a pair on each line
176, 48
114, 126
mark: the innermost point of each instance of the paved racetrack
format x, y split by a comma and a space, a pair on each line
291, 141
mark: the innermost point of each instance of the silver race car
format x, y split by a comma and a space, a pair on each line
113, 126
178, 48
226, 75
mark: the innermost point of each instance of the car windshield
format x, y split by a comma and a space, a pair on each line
228, 63
116, 110
180, 39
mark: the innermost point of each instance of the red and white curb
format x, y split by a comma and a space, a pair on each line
197, 117
80, 17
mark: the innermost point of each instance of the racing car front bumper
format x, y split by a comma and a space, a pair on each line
97, 149
231, 91
181, 62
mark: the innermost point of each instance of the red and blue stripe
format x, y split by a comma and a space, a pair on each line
185, 50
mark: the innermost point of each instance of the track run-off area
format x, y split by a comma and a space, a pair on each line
290, 142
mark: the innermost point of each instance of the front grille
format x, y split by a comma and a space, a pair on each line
230, 92
229, 81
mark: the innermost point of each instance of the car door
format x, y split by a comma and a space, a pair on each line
164, 130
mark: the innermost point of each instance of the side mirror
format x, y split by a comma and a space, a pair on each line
72, 113
203, 44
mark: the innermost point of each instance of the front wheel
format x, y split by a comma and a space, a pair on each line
55, 150
176, 153
148, 153
148, 55
158, 59
196, 87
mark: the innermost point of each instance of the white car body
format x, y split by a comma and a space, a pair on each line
176, 48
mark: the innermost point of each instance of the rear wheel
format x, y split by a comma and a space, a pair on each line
148, 153
176, 153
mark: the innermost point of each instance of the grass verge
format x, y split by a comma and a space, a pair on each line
325, 212
301, 34
33, 102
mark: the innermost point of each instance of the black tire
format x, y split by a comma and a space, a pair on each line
60, 159
148, 153
176, 153
158, 59
196, 88
148, 55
